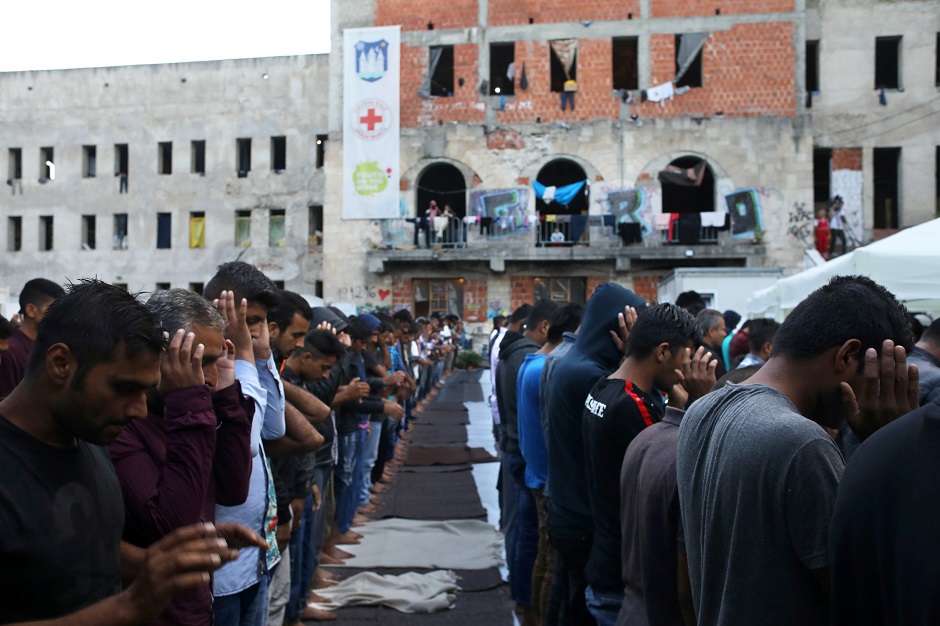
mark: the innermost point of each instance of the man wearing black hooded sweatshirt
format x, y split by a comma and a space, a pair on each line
522, 527
593, 356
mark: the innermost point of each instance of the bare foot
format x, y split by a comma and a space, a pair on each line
323, 584
325, 574
379, 488
361, 520
314, 614
328, 559
347, 538
368, 509
315, 597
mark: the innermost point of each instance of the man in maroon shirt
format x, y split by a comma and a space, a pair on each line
193, 450
35, 298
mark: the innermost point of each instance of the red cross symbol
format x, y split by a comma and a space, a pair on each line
371, 119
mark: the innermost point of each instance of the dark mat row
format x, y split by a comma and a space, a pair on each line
447, 455
433, 496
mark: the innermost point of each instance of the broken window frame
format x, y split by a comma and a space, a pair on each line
500, 84
439, 80
690, 71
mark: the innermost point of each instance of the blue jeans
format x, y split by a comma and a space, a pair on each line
604, 605
305, 557
567, 97
248, 607
369, 454
523, 533
346, 476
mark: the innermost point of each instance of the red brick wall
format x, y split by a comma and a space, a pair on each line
748, 70
685, 8
646, 287
505, 12
521, 292
591, 284
474, 300
463, 106
401, 294
415, 14
847, 159
592, 101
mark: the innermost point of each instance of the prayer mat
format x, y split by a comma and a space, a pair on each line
450, 544
447, 455
411, 592
433, 496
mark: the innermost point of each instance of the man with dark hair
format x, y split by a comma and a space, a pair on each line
241, 588
96, 353
926, 356
515, 323
193, 450
35, 297
307, 366
615, 411
287, 324
691, 301
757, 472
593, 355
653, 563
712, 324
521, 519
532, 445
760, 341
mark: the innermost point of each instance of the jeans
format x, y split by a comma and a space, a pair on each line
248, 607
305, 552
567, 97
604, 605
567, 603
346, 475
836, 235
544, 560
524, 534
369, 454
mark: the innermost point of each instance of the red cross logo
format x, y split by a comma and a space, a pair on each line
371, 119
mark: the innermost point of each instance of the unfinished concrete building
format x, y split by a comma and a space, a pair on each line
776, 106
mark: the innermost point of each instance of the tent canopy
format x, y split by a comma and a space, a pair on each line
907, 264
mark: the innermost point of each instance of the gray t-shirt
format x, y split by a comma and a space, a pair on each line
757, 484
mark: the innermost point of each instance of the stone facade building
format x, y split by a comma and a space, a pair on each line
786, 102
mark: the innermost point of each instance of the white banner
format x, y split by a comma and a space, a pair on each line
371, 86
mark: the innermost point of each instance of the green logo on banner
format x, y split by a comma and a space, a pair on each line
369, 179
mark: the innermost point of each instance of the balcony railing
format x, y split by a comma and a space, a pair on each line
563, 231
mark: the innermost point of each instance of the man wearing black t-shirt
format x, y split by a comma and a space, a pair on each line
96, 353
616, 410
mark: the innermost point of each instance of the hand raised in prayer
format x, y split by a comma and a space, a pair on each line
625, 321
182, 364
226, 366
697, 375
236, 325
261, 345
325, 326
890, 391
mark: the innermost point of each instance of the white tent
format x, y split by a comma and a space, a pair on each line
907, 264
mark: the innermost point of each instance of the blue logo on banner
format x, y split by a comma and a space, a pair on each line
371, 60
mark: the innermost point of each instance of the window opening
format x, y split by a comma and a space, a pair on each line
197, 229
163, 287
445, 186
440, 79
243, 156
570, 201
625, 64
14, 233
887, 62
502, 69
563, 59
88, 232
89, 161
437, 296
318, 288
812, 65
120, 231
15, 164
121, 153
886, 163
277, 236
45, 232
314, 226
321, 150
243, 229
822, 170
165, 154
689, 48
197, 151
559, 289
196, 287
164, 230
278, 154
46, 164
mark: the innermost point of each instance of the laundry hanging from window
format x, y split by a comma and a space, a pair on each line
566, 52
690, 45
561, 195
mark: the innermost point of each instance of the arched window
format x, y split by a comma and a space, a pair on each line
563, 212
688, 186
445, 185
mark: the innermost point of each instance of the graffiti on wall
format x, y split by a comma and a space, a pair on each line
800, 225
474, 309
629, 206
397, 231
745, 209
496, 308
359, 293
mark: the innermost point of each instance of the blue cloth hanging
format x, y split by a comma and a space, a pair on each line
563, 195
